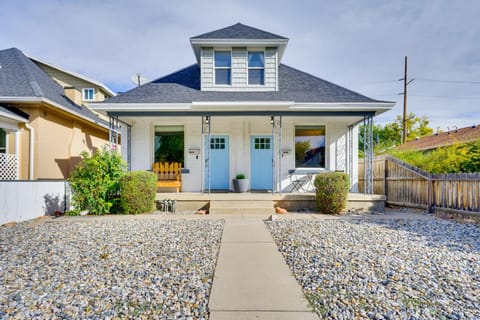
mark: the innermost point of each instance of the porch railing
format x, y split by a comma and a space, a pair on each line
8, 166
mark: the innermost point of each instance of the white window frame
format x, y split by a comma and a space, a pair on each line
84, 90
215, 68
6, 142
256, 68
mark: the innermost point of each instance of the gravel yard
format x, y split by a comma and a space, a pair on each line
108, 268
384, 269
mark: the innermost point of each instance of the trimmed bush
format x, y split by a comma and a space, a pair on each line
332, 191
95, 181
137, 192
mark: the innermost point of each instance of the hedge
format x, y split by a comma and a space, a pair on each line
137, 192
331, 192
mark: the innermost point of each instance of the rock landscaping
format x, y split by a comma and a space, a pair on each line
108, 269
384, 269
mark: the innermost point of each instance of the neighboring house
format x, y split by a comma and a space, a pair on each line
443, 139
85, 90
238, 109
43, 126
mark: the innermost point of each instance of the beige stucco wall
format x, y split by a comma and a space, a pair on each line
59, 139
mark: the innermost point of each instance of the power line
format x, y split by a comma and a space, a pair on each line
444, 97
448, 81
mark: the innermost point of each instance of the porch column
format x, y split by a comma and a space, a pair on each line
368, 154
113, 129
349, 154
276, 122
126, 143
206, 153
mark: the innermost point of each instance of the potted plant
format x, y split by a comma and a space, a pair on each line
240, 183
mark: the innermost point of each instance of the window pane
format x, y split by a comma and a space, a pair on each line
222, 76
256, 76
223, 59
169, 144
3, 141
310, 147
256, 60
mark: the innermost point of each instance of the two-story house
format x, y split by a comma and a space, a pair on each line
45, 122
238, 109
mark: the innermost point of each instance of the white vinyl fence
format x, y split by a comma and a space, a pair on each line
23, 200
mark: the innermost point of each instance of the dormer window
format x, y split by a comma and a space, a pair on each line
88, 94
256, 68
223, 67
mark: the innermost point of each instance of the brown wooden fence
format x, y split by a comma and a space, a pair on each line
406, 185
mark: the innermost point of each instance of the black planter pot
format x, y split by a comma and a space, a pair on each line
240, 185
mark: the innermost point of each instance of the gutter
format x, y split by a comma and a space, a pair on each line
31, 150
48, 101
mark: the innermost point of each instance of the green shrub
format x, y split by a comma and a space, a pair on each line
95, 181
138, 190
332, 191
457, 158
240, 176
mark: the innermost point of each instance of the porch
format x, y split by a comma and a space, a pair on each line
275, 151
263, 203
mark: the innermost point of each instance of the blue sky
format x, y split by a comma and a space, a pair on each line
357, 44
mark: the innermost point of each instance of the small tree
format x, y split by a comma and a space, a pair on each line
95, 181
331, 192
137, 192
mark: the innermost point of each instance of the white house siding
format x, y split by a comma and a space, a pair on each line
239, 130
239, 70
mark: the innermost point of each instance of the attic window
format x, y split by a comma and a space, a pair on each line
256, 68
88, 94
223, 67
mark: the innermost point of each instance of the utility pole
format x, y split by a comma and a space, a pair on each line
406, 82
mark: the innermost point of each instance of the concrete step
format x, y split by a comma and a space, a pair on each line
242, 207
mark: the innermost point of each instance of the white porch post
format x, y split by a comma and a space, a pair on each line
206, 126
276, 153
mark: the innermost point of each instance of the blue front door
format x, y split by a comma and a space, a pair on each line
261, 162
219, 168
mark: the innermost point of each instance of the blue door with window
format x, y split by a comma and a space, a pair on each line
219, 163
261, 171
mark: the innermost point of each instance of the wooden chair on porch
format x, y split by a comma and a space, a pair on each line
169, 175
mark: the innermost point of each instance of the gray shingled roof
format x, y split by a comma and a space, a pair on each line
21, 77
239, 31
183, 86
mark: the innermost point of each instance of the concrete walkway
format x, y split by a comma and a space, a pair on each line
252, 280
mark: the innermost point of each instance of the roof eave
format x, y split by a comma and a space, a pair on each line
13, 117
376, 107
87, 79
52, 103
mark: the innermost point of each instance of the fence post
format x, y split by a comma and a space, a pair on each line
429, 194
385, 176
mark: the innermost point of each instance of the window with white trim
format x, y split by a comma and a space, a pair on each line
223, 67
169, 144
256, 68
88, 94
310, 146
3, 141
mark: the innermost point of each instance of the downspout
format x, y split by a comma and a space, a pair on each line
30, 160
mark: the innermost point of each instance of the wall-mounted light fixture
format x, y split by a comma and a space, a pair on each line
271, 120
207, 119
